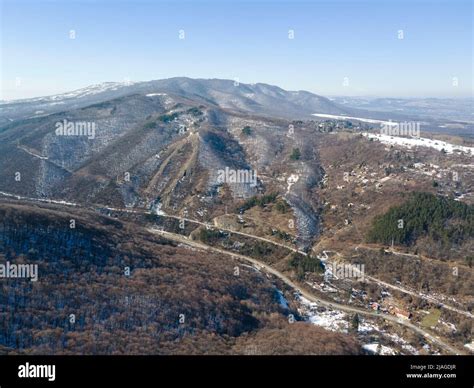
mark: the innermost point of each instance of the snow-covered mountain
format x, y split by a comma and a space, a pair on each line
79, 93
261, 99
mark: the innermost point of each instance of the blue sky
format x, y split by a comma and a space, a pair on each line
339, 47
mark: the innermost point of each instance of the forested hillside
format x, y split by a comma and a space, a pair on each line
109, 287
426, 218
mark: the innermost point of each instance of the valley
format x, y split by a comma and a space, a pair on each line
214, 173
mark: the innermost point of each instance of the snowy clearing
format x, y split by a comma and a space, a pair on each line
419, 142
372, 121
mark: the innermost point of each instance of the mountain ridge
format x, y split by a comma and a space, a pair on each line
262, 98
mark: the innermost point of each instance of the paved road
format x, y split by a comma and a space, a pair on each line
305, 293
239, 233
259, 264
428, 298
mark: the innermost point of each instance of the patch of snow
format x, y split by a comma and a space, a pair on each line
333, 320
292, 179
366, 327
372, 121
158, 211
470, 346
379, 349
404, 344
450, 325
282, 300
410, 142
87, 91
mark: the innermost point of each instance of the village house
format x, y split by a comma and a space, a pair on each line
400, 313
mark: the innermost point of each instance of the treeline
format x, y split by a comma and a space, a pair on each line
107, 287
256, 249
440, 219
258, 201
302, 264
167, 118
210, 236
422, 275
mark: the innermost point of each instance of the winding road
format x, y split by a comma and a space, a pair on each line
258, 264
305, 293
